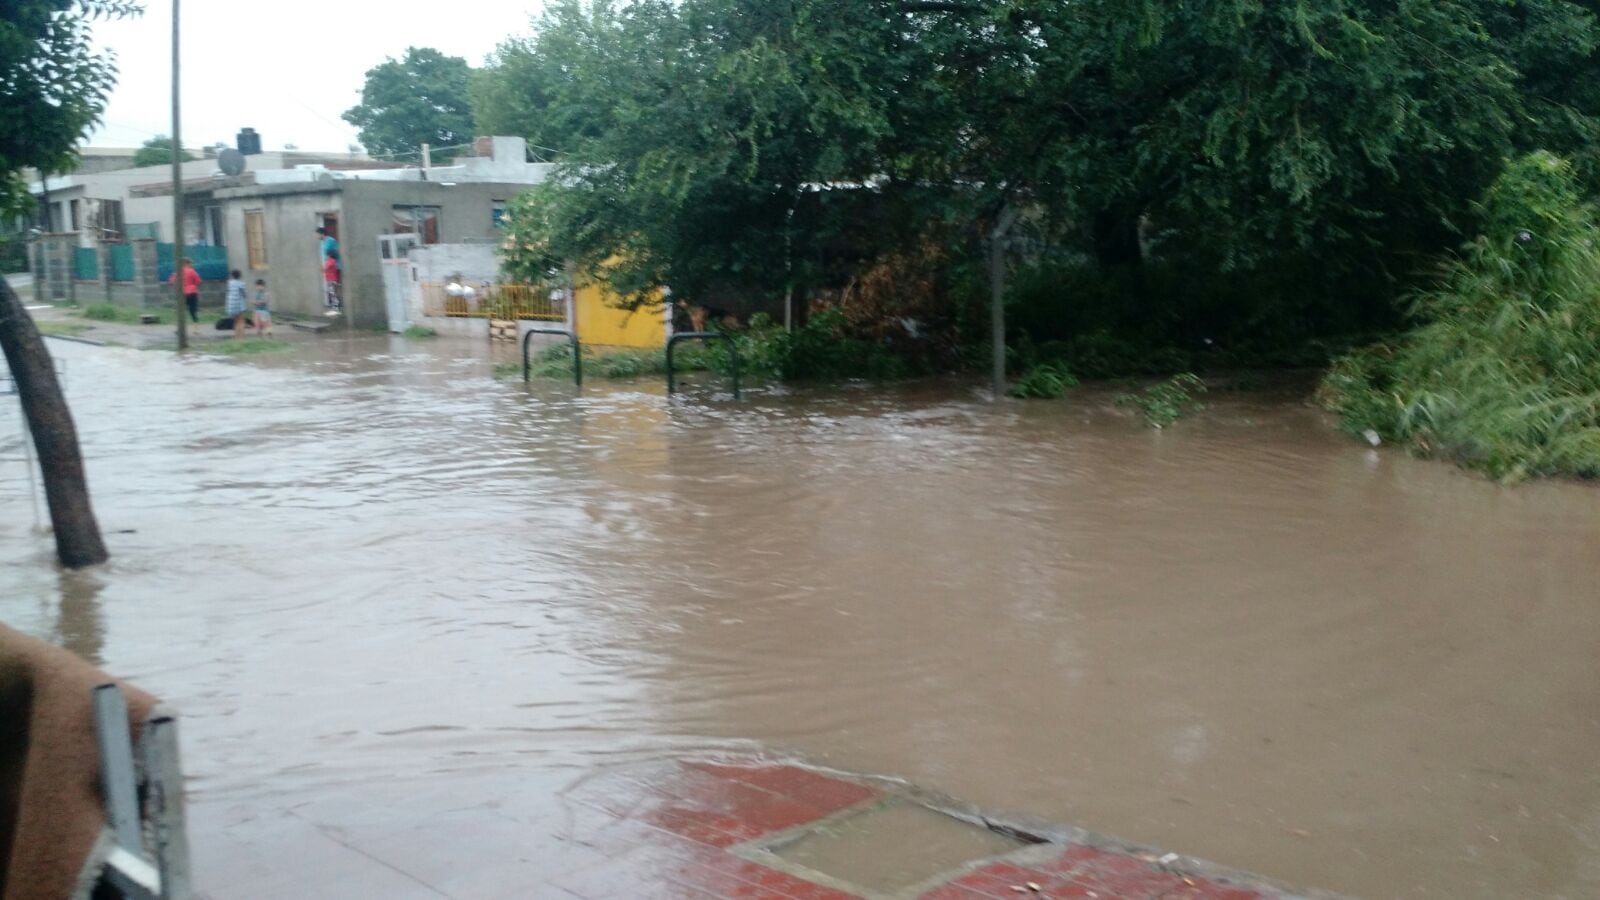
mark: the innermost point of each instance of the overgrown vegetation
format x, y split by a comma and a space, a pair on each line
1503, 373
419, 331
1159, 405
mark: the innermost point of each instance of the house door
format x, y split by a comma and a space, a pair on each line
392, 254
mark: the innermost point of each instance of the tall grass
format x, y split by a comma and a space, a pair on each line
1503, 373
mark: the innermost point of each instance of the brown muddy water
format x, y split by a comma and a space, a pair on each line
1245, 638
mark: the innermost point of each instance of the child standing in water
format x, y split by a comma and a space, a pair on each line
236, 302
263, 312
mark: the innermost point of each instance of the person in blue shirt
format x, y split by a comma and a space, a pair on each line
330, 246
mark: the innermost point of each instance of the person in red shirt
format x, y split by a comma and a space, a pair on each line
191, 288
330, 284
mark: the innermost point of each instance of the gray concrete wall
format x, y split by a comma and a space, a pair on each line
466, 213
294, 254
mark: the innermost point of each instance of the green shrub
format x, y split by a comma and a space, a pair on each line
1045, 381
104, 312
824, 349
420, 331
1503, 374
555, 362
1162, 404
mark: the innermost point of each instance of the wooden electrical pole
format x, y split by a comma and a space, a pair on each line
177, 190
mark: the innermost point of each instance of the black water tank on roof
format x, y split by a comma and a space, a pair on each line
249, 141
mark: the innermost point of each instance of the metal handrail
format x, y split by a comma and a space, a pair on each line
733, 356
577, 353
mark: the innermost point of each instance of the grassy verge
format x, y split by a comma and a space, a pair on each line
126, 315
62, 329
247, 346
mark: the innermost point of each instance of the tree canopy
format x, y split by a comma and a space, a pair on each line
157, 152
418, 99
52, 85
739, 146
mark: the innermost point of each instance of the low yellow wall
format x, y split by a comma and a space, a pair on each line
601, 323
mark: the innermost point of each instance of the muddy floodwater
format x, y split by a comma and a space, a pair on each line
1246, 638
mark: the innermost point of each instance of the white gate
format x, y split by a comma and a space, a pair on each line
392, 249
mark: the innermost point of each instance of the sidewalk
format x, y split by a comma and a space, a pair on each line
67, 323
740, 829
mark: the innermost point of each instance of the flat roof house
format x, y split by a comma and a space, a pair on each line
269, 219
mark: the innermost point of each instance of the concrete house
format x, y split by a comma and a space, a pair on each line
100, 203
269, 220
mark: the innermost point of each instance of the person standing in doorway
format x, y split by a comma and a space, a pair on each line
191, 287
331, 267
330, 286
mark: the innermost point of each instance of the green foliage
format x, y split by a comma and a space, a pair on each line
249, 346
105, 312
418, 99
1260, 176
53, 85
1045, 381
420, 331
125, 314
63, 329
611, 364
824, 349
1162, 404
157, 152
1504, 374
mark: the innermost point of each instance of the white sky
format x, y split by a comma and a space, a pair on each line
287, 68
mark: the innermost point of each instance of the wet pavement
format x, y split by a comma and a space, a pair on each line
406, 608
702, 829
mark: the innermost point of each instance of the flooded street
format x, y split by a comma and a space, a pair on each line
1249, 639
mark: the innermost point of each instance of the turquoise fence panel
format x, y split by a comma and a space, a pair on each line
121, 262
210, 262
86, 264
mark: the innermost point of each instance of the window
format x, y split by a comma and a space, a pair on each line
112, 222
255, 238
77, 222
422, 221
497, 214
211, 227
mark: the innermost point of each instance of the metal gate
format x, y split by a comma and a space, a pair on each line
392, 250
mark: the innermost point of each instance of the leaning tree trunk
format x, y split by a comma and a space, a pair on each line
78, 542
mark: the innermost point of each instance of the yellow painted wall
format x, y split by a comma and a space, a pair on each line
601, 323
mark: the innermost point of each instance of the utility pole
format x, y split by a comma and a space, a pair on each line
427, 161
177, 189
997, 297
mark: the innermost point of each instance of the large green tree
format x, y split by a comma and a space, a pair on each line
418, 99
53, 87
157, 152
1338, 143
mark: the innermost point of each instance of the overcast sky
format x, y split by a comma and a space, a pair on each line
287, 68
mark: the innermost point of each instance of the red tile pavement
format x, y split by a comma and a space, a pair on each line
666, 832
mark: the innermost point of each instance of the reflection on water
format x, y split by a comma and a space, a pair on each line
80, 626
1245, 638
